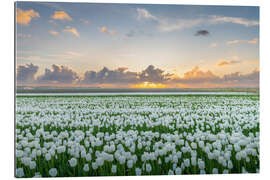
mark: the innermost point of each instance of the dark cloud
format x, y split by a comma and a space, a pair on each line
120, 75
58, 74
152, 74
25, 73
202, 33
250, 78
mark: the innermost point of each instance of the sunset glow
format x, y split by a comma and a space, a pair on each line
149, 85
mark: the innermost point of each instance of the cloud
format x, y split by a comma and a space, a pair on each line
166, 25
253, 41
144, 14
234, 57
233, 42
226, 63
213, 44
107, 76
113, 32
223, 63
58, 74
152, 74
72, 53
72, 30
29, 58
106, 31
138, 33
131, 33
52, 21
123, 76
53, 32
20, 35
149, 77
234, 62
236, 20
198, 78
61, 15
25, 17
26, 73
34, 58
85, 21
238, 78
202, 33
65, 55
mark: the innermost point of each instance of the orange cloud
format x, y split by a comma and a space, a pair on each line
113, 32
104, 29
235, 57
72, 30
61, 15
25, 17
199, 78
223, 63
54, 33
196, 73
226, 63
253, 41
108, 32
213, 44
233, 42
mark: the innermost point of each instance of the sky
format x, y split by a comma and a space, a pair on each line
136, 46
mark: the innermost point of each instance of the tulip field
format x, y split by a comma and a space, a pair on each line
128, 135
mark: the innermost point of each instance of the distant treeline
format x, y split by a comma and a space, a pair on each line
108, 90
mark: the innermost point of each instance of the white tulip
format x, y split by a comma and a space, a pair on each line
48, 156
214, 171
37, 175
53, 172
32, 165
88, 157
114, 169
94, 165
72, 162
130, 164
225, 171
148, 167
19, 172
138, 171
86, 167
170, 172
178, 171
202, 171
187, 162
